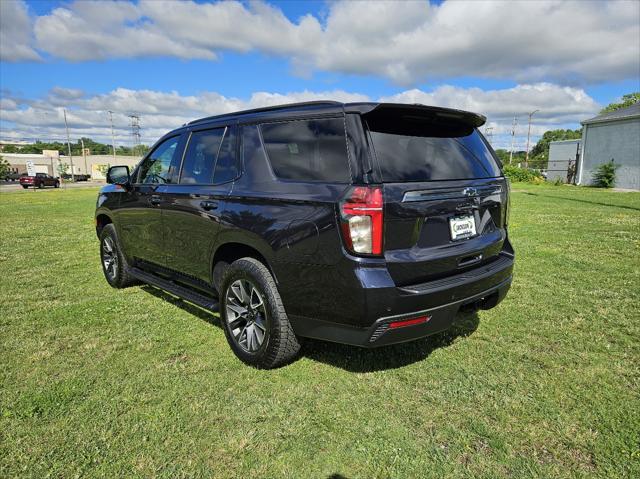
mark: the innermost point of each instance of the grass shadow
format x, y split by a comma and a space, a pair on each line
362, 360
352, 358
598, 203
187, 307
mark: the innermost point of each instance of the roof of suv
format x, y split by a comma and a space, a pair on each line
328, 107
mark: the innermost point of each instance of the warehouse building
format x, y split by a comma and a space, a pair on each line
50, 160
612, 136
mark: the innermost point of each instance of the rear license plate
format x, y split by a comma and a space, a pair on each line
462, 227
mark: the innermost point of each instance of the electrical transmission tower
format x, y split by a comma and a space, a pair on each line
135, 133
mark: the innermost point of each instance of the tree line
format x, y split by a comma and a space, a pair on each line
94, 147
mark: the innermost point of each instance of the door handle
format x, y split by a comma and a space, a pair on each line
209, 205
155, 200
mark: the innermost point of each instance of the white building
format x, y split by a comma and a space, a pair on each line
612, 136
49, 161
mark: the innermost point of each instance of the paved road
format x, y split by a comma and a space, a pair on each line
15, 186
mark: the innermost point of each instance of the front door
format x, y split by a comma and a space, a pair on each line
193, 207
140, 215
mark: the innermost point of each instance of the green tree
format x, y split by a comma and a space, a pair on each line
95, 147
63, 168
5, 168
627, 100
504, 155
539, 156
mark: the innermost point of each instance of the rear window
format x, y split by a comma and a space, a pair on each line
308, 150
210, 157
421, 149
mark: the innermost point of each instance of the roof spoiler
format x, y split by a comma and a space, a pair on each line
431, 112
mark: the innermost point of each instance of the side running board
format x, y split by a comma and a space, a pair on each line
187, 294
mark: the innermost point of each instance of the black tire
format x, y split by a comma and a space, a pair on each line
118, 277
57, 184
25, 187
280, 344
41, 185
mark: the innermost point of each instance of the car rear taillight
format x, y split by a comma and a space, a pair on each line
362, 221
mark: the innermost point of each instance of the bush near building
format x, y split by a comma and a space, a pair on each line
523, 175
605, 175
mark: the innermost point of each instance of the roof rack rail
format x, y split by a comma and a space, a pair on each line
267, 108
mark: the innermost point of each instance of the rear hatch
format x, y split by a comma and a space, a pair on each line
445, 197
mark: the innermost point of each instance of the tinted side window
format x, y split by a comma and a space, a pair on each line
226, 165
200, 158
308, 150
155, 168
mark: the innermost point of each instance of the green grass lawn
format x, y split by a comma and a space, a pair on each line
102, 382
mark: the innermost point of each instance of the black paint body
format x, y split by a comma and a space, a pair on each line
180, 231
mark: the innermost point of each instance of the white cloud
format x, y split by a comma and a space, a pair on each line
557, 104
560, 107
15, 32
407, 42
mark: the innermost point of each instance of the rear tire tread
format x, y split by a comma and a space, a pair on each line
284, 345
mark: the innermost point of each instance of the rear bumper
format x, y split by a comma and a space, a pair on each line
440, 301
380, 333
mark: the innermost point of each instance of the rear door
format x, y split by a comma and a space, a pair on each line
444, 195
193, 207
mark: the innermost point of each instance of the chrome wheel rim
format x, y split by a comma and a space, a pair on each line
109, 258
246, 315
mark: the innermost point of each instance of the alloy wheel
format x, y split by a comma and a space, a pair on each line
246, 315
110, 258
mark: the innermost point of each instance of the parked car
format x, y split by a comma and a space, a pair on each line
13, 176
77, 177
360, 223
39, 181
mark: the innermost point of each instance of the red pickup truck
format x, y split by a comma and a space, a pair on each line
39, 181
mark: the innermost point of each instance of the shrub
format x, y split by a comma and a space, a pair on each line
605, 175
523, 175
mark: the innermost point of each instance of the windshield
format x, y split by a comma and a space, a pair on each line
412, 148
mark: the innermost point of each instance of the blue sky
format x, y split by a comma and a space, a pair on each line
197, 58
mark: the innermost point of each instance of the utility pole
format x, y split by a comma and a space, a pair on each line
73, 177
526, 161
513, 137
84, 155
113, 141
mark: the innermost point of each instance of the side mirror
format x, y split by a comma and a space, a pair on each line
118, 175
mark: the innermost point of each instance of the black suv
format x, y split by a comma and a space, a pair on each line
361, 223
